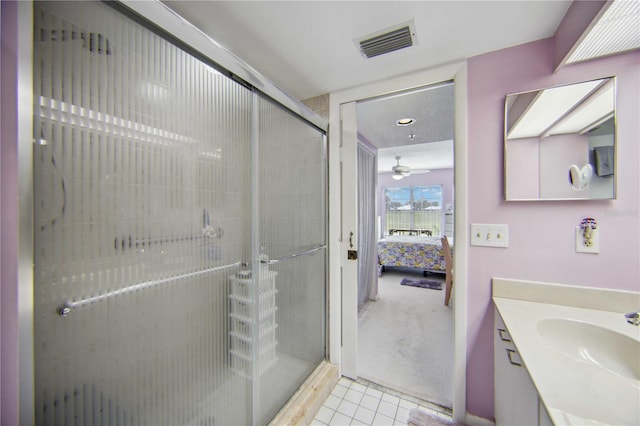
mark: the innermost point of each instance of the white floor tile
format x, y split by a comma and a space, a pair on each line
370, 402
325, 414
352, 403
364, 415
402, 415
382, 420
339, 391
347, 408
340, 419
353, 396
374, 392
332, 402
390, 398
387, 408
345, 382
358, 387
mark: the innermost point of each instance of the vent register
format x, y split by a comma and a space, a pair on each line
388, 41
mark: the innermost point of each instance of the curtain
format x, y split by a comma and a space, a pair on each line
367, 256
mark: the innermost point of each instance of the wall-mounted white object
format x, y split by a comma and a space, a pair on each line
579, 178
489, 235
588, 236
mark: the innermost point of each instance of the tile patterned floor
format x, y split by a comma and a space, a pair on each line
353, 403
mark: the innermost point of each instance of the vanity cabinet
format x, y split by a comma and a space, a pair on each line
516, 398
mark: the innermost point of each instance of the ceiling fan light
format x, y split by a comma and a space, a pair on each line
400, 171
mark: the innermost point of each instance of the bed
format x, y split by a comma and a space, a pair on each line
414, 251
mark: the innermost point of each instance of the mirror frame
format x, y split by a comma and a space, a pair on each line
615, 144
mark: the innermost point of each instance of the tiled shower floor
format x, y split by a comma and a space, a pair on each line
353, 403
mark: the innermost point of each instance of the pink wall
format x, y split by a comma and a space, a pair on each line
541, 234
523, 173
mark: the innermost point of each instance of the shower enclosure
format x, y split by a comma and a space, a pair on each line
179, 231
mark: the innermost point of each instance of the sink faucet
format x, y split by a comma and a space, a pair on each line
633, 318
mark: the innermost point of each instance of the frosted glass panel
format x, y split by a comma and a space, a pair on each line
146, 312
293, 215
141, 192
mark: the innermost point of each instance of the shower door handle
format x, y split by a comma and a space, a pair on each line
65, 309
293, 256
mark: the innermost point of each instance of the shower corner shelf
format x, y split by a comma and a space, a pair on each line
241, 323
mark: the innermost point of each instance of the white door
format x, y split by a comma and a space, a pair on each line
349, 237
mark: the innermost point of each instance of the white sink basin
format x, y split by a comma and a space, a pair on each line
594, 345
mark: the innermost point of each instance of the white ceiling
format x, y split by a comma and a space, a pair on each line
307, 48
425, 144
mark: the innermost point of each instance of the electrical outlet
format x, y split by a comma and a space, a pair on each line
592, 245
489, 235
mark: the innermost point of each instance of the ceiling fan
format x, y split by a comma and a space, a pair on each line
400, 171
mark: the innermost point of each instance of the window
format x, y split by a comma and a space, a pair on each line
414, 207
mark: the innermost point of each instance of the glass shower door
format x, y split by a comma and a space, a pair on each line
142, 201
180, 232
292, 240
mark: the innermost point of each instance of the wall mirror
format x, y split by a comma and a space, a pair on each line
560, 142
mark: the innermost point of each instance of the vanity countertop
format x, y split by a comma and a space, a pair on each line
584, 360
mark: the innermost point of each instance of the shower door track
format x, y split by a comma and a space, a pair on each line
66, 308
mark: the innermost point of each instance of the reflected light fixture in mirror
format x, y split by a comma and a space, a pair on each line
555, 136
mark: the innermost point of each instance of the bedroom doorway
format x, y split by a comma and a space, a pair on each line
405, 333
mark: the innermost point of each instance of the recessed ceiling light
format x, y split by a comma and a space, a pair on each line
405, 121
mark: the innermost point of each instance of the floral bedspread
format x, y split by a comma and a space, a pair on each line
412, 251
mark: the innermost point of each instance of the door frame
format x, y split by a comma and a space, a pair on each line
343, 316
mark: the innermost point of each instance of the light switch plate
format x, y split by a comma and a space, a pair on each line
581, 247
490, 235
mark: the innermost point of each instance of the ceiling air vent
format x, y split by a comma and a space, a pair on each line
387, 41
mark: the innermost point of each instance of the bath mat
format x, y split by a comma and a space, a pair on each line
422, 418
422, 283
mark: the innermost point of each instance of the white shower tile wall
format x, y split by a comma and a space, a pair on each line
353, 403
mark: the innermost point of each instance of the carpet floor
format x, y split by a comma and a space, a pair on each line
405, 339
